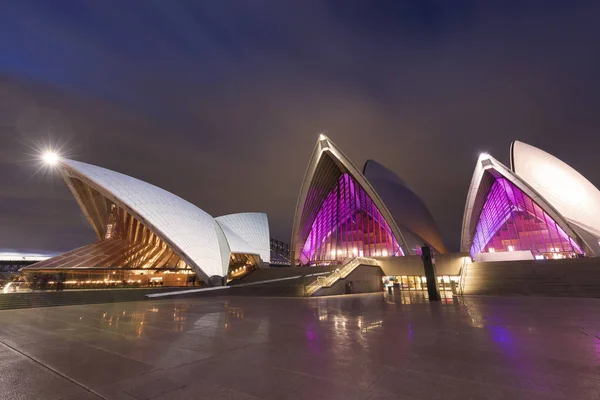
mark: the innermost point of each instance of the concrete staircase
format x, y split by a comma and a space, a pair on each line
327, 281
578, 277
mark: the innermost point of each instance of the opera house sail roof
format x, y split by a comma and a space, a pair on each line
247, 233
408, 210
532, 211
340, 213
143, 227
575, 197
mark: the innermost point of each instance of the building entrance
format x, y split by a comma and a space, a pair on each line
419, 283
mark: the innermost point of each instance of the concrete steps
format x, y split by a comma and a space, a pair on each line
365, 279
560, 278
346, 269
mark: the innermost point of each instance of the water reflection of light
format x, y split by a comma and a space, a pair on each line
501, 335
415, 297
179, 315
597, 346
339, 322
312, 338
475, 314
507, 343
209, 319
372, 325
322, 313
237, 313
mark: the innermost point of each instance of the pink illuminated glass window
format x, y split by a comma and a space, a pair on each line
511, 221
348, 224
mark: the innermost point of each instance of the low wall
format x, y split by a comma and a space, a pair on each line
365, 279
74, 297
445, 264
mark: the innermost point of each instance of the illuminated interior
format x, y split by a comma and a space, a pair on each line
242, 264
510, 220
126, 254
419, 283
348, 224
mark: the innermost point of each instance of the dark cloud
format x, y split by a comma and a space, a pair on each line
222, 102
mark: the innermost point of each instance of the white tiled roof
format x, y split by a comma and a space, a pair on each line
567, 190
247, 233
178, 222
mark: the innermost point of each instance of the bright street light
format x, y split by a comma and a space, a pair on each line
50, 157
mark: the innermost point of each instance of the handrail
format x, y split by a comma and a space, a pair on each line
463, 276
340, 273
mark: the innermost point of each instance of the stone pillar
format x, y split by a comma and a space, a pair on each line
430, 273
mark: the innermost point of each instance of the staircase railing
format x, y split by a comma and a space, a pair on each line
340, 273
463, 276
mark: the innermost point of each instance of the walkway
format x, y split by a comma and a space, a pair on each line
347, 347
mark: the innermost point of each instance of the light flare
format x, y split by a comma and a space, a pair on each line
50, 157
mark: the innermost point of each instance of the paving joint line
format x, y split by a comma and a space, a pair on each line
81, 385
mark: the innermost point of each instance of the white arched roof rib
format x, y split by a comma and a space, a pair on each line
189, 231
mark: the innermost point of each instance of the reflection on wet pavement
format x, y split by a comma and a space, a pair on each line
375, 346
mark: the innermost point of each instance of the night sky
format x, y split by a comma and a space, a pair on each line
221, 102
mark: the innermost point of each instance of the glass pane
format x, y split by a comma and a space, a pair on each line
349, 225
404, 283
418, 283
511, 221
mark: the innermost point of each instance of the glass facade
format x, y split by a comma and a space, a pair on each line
348, 224
129, 255
416, 283
511, 221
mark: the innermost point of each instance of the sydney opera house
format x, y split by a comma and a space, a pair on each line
343, 212
149, 236
540, 208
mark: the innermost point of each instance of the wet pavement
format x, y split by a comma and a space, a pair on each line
371, 346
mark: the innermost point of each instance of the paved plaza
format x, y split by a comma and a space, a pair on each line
348, 347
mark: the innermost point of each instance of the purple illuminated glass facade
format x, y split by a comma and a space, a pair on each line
511, 221
348, 224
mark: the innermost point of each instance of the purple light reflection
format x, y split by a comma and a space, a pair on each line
312, 338
348, 224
